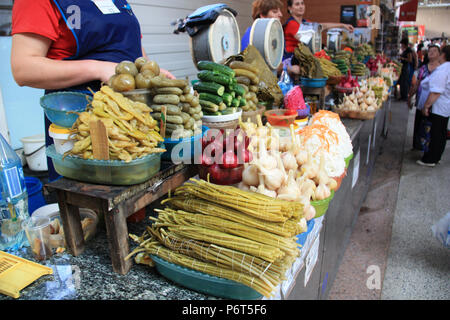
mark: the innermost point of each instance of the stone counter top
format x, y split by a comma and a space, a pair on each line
90, 276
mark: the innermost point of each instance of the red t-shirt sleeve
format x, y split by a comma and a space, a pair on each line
291, 28
36, 16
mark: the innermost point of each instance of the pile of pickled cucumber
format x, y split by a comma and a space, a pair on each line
134, 75
247, 77
359, 69
183, 110
219, 90
342, 60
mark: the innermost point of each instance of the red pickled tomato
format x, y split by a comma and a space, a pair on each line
229, 160
215, 173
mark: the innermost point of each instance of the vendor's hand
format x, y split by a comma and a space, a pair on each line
294, 69
426, 111
106, 70
167, 74
349, 27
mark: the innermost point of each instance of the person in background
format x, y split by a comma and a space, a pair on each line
420, 54
420, 88
262, 9
296, 9
437, 108
406, 58
51, 51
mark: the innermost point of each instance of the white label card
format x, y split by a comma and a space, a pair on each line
355, 169
374, 135
311, 259
106, 6
368, 149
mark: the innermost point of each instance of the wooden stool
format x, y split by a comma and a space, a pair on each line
307, 91
116, 203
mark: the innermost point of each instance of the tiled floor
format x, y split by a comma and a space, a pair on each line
392, 253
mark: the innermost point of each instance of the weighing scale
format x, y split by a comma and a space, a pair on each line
267, 36
219, 40
334, 40
310, 33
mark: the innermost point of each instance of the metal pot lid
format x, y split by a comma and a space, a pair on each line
268, 37
219, 41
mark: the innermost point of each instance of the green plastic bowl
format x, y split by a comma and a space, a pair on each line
204, 283
109, 172
321, 206
347, 160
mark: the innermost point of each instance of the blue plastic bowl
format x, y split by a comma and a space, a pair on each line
314, 83
187, 143
57, 107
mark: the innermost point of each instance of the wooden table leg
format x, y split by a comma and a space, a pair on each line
117, 230
73, 232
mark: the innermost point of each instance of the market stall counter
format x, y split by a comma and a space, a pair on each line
90, 274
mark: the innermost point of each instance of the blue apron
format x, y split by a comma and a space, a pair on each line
106, 37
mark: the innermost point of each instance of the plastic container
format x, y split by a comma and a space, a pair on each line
252, 115
109, 172
321, 206
281, 117
138, 216
347, 160
35, 196
13, 199
220, 175
139, 95
301, 123
51, 211
303, 113
62, 138
301, 238
313, 83
204, 283
228, 121
182, 144
34, 152
38, 231
339, 180
59, 107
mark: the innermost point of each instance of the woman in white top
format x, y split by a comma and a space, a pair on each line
437, 109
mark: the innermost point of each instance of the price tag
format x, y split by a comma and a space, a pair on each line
355, 169
374, 134
286, 284
106, 6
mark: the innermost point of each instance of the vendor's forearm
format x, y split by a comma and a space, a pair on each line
44, 73
331, 25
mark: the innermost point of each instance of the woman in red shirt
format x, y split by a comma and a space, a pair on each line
44, 48
71, 45
296, 9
